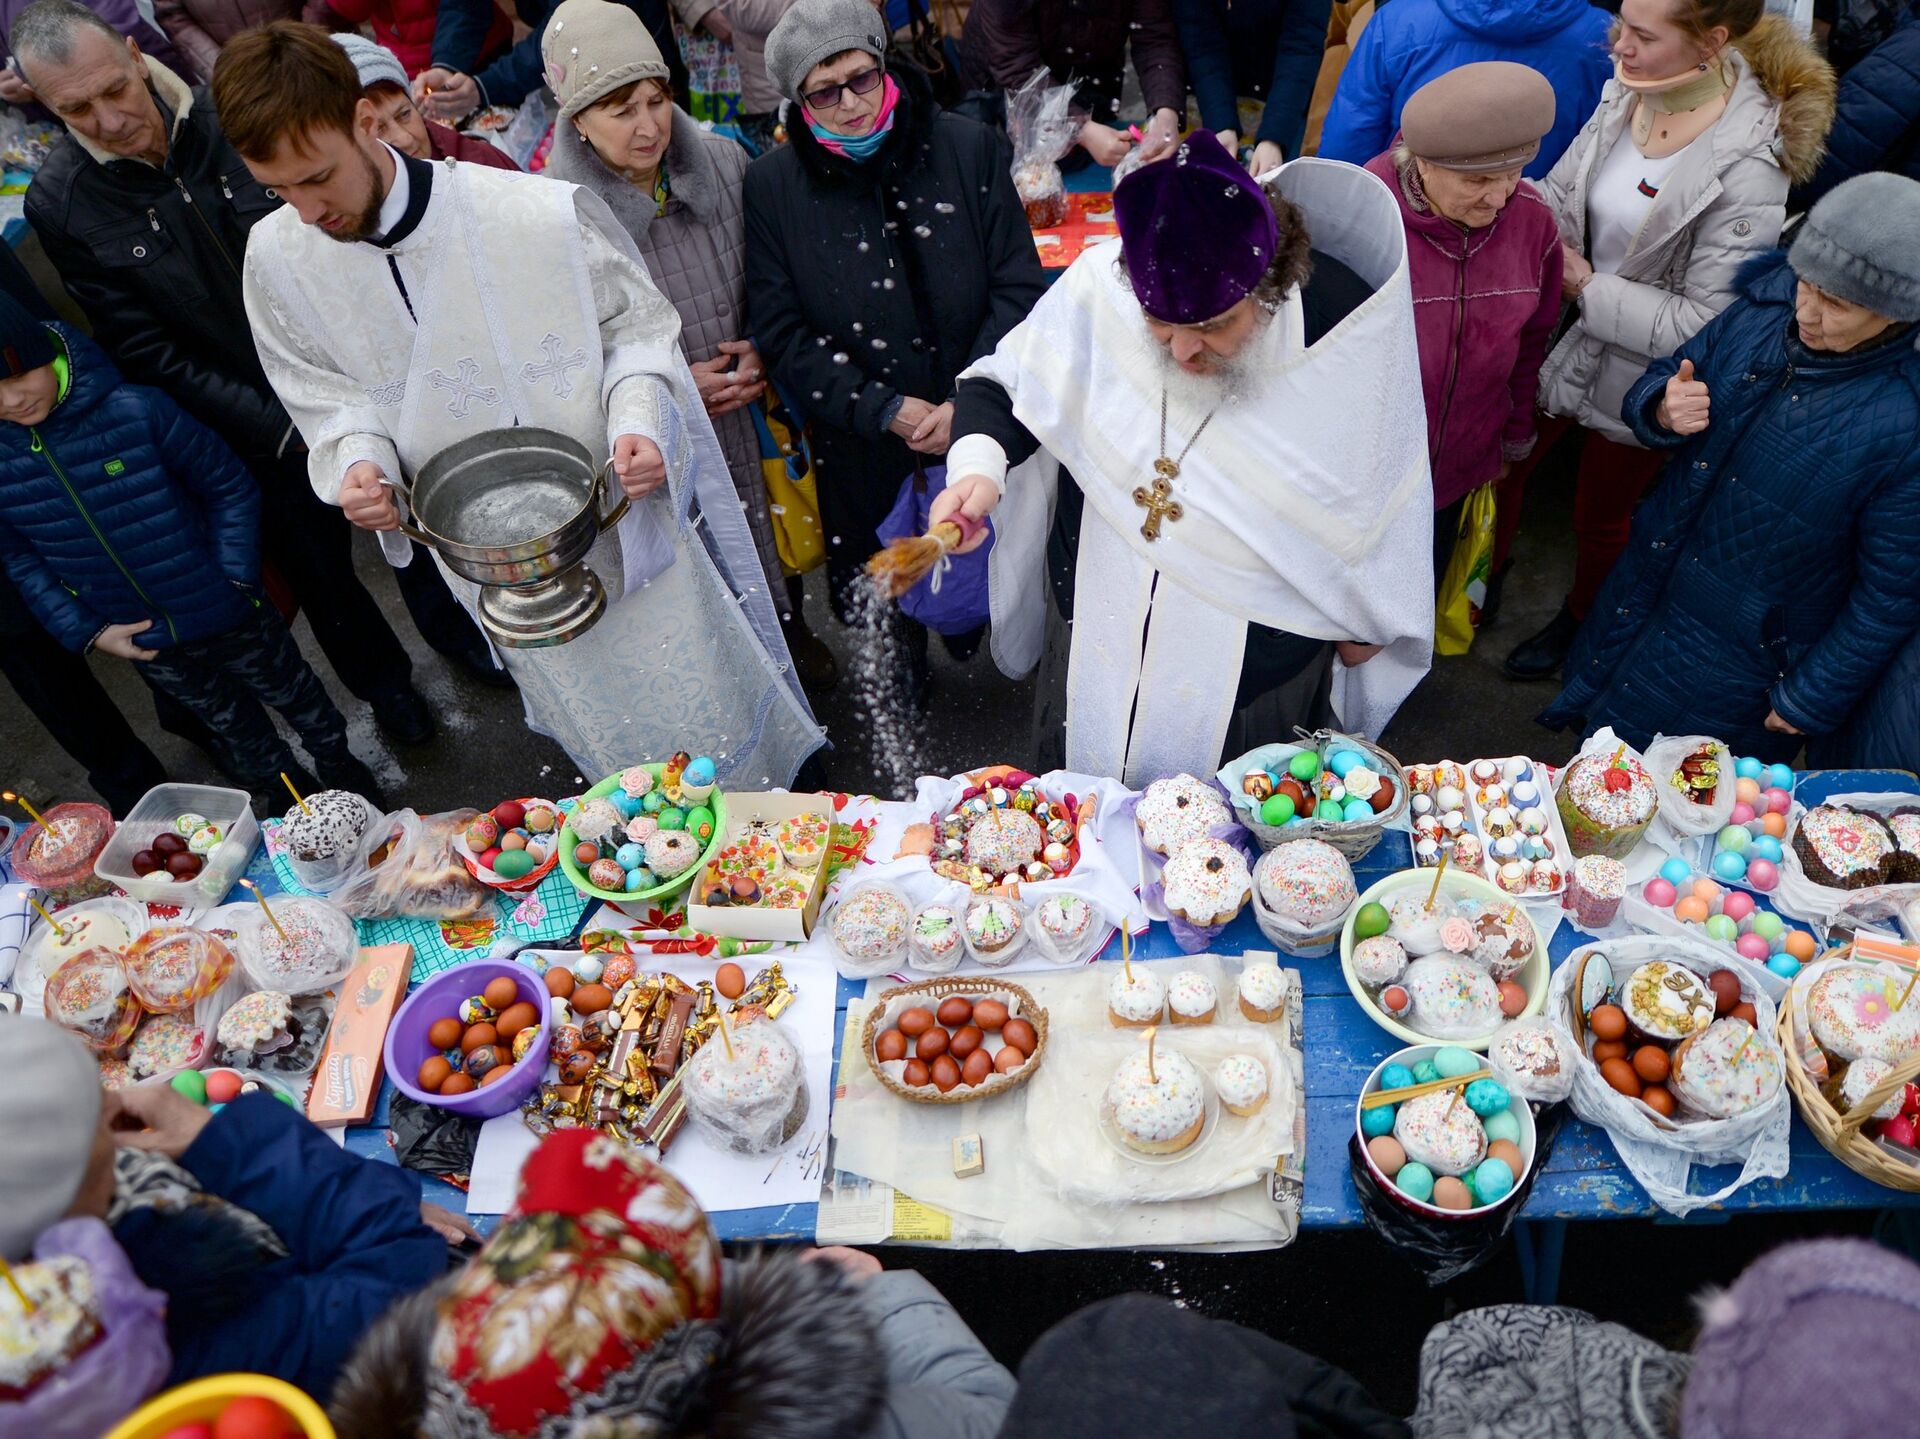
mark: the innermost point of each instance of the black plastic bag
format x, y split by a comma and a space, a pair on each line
431, 1140
1443, 1250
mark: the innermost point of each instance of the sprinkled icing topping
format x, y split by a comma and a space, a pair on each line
1586, 786
1191, 994
165, 1042
89, 993
1851, 1013
1379, 960
1173, 811
1413, 924
1241, 1080
1141, 999
764, 1065
1452, 998
1905, 828
1263, 986
1206, 881
171, 968
671, 852
335, 823
754, 855
1156, 1112
1503, 940
992, 923
1864, 1076
1446, 1137
320, 940
1726, 1070
1528, 1050
1306, 880
65, 1319
871, 923
594, 819
1667, 1001
1002, 841
1066, 917
936, 929
254, 1020
802, 839
1845, 841
1600, 876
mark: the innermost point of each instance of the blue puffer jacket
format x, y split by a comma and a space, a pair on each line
120, 507
1774, 565
1876, 110
1884, 732
1411, 42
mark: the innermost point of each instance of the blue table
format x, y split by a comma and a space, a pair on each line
1583, 1178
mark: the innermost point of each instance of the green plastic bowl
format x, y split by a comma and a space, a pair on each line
660, 893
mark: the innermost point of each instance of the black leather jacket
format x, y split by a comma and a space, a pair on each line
153, 256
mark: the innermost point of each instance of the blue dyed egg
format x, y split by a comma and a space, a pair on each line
1730, 865
630, 855
1375, 1122
1343, 760
1487, 1096
1779, 776
1783, 964
1676, 871
1452, 1062
1415, 1181
1492, 1181
1764, 846
1749, 768
627, 805
1396, 1076
639, 879
700, 771
1502, 1125
1424, 1072
1357, 809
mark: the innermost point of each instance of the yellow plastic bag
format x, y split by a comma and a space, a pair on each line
793, 501
1463, 589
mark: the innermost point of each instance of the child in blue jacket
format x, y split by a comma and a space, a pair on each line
130, 528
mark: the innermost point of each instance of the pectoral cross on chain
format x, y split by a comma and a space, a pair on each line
1158, 501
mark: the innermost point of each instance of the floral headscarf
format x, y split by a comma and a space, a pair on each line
590, 1309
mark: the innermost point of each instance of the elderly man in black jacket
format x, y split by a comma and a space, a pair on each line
144, 210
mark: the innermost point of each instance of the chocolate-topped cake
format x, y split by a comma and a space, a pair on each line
1843, 848
1903, 866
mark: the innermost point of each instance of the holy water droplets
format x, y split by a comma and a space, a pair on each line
883, 689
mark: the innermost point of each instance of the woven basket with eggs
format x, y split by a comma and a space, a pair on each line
1017, 1006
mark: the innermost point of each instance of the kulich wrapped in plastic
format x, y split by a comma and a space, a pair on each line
58, 854
172, 968
307, 946
91, 995
1041, 126
413, 869
752, 1099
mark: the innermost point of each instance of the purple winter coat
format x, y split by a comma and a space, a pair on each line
1485, 303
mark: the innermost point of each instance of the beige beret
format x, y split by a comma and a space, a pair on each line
1485, 116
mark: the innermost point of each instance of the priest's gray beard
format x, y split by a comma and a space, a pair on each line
1227, 378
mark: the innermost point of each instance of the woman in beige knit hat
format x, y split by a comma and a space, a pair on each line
676, 189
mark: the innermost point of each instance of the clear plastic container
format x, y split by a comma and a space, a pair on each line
154, 815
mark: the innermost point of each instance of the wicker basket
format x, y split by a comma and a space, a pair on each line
944, 987
1353, 838
1840, 1133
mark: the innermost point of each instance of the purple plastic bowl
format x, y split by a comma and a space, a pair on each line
407, 1048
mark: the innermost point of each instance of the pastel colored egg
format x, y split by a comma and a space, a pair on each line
1763, 875
624, 804
1764, 846
514, 864
1341, 761
1746, 791
1502, 1126
1705, 889
1659, 892
1722, 928
637, 880
1377, 1121
1733, 837
1492, 1181
700, 772
1396, 1076
1800, 945
588, 968
652, 802
1737, 906
1356, 809
1486, 1096
1784, 965
1775, 825
1415, 1181
1749, 768
1276, 810
1751, 946
1768, 925
1304, 766
1779, 801
1452, 1061
1691, 910
1424, 1072
630, 855
1780, 776
1742, 812
1329, 809
700, 823
1676, 871
1730, 865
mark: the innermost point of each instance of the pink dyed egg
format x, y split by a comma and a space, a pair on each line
1659, 893
1778, 801
1737, 906
1742, 812
1753, 947
1762, 874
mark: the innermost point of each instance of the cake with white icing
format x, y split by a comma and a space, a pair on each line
1191, 998
1159, 1108
1136, 1002
1173, 811
1262, 993
1241, 1082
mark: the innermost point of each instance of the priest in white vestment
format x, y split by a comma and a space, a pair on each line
1234, 389
400, 306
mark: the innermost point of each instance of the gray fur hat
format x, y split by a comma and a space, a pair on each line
1858, 244
814, 31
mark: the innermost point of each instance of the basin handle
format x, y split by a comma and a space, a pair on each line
613, 516
412, 532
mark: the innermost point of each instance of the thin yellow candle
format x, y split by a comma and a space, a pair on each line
6, 1272
725, 1038
42, 911
296, 794
1126, 950
1152, 1078
1439, 870
21, 800
268, 912
1901, 1002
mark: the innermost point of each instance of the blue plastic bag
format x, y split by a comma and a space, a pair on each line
952, 599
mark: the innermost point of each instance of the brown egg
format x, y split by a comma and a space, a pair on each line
1620, 1075
591, 999
1020, 1035
458, 1082
1657, 1098
1389, 1154
444, 1034
1450, 1193
931, 1045
1725, 985
477, 1035
966, 1040
433, 1073
946, 1074
495, 1075
916, 1022
559, 983
1608, 1021
978, 1066
990, 1014
1007, 1059
955, 1012
1609, 1049
891, 1045
730, 980
1745, 1011
1650, 1062
516, 1017
502, 1057
916, 1074
1509, 1152
500, 992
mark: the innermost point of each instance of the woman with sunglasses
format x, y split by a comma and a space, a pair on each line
886, 251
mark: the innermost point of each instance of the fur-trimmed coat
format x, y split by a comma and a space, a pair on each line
1723, 203
809, 1355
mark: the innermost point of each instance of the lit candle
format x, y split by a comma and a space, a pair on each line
284, 939
20, 800
57, 928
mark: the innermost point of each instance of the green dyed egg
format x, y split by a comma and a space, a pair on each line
1502, 1126
514, 864
1424, 1072
700, 823
1329, 809
1371, 920
1415, 1181
1452, 1062
191, 1083
672, 818
1304, 766
1276, 809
